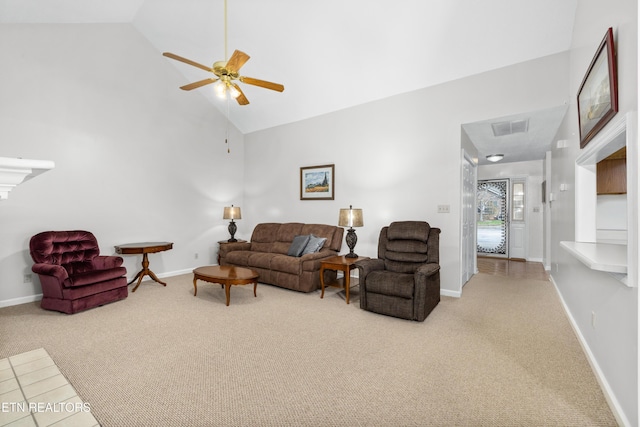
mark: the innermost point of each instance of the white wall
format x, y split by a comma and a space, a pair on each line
136, 158
613, 342
533, 171
397, 158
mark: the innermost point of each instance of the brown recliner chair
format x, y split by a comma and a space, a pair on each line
404, 281
73, 274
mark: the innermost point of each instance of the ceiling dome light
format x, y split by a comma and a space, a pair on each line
495, 157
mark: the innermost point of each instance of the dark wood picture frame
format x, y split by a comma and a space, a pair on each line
317, 182
598, 94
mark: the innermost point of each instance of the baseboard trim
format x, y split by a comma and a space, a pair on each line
614, 405
38, 297
448, 293
21, 300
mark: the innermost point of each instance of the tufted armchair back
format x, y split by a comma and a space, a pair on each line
72, 250
406, 245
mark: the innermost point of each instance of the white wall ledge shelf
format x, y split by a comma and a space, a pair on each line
14, 171
608, 257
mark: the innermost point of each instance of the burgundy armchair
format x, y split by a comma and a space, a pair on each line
73, 274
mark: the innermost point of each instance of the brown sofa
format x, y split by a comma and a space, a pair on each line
267, 254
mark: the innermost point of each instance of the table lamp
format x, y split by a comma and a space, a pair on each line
232, 213
351, 218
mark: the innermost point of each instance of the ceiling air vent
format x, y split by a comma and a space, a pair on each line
507, 128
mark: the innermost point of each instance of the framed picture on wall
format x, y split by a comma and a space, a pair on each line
598, 94
317, 182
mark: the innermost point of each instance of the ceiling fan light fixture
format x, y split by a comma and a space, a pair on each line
495, 157
234, 92
220, 89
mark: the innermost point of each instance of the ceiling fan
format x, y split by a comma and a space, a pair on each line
226, 73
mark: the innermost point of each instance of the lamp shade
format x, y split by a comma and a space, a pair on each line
350, 218
231, 212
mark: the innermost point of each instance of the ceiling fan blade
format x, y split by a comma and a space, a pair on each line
237, 60
262, 83
242, 100
187, 61
198, 84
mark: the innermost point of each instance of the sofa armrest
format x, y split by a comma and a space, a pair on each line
233, 246
53, 270
104, 262
366, 266
428, 269
317, 255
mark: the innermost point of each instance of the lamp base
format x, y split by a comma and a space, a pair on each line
351, 239
232, 230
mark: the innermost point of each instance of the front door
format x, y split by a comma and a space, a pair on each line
493, 218
517, 219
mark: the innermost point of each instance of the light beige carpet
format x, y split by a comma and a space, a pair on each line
502, 355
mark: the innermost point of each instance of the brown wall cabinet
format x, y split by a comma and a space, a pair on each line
611, 174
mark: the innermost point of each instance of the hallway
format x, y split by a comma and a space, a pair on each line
513, 269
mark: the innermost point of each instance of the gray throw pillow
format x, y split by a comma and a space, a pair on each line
314, 245
298, 244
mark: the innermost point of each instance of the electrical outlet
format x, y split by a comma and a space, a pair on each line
593, 319
443, 208
26, 278
195, 255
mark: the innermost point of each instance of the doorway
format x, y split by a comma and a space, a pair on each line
468, 230
492, 221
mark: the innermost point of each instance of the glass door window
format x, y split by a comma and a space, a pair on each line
517, 202
492, 221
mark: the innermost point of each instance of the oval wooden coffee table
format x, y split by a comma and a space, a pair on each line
226, 276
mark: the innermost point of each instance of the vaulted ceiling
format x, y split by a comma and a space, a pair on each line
329, 54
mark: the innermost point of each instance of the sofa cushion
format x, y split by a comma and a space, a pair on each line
390, 283
406, 256
408, 230
286, 264
239, 258
298, 245
409, 246
93, 277
265, 232
288, 231
314, 244
263, 236
261, 259
331, 232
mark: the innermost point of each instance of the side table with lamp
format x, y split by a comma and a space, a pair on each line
231, 212
345, 263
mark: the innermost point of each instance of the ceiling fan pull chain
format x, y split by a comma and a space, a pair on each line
226, 131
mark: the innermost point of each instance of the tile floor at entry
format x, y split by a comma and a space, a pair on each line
32, 380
